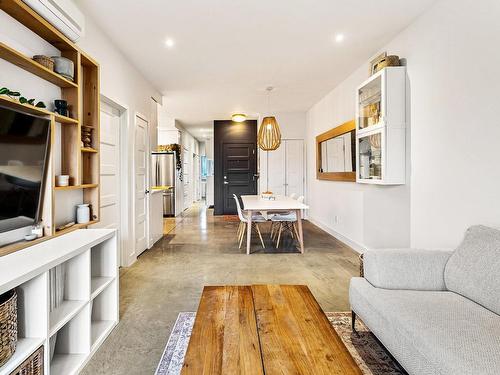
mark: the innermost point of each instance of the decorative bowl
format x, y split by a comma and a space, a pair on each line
64, 67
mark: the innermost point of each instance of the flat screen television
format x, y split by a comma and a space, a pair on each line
24, 156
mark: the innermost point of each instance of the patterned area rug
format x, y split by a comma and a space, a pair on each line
368, 353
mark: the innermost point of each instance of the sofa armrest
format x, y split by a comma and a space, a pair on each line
409, 269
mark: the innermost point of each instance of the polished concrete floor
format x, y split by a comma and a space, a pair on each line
202, 250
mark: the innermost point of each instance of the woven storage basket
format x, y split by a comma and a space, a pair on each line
45, 61
361, 266
8, 325
33, 365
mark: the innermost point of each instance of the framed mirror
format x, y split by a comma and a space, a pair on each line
336, 153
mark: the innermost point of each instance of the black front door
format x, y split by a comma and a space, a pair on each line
239, 172
235, 159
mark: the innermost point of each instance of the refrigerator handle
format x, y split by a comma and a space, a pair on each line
157, 175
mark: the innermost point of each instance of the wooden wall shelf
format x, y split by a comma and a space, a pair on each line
75, 227
76, 187
88, 149
32, 66
83, 97
14, 104
28, 108
65, 120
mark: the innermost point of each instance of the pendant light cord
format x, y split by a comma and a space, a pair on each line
269, 89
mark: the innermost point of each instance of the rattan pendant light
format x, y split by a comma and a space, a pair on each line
269, 137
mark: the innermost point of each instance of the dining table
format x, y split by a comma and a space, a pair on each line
253, 204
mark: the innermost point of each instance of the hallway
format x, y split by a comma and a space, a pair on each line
202, 250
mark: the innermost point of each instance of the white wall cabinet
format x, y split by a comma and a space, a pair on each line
86, 291
381, 128
286, 168
156, 217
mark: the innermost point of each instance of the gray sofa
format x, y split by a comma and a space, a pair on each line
437, 312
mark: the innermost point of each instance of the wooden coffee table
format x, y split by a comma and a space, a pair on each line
264, 329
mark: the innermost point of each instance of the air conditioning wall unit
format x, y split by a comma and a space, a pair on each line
64, 15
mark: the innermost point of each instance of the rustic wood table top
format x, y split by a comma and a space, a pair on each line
264, 329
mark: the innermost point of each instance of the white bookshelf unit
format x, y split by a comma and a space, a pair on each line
71, 329
381, 128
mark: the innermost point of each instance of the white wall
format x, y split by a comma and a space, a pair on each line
453, 76
120, 82
124, 84
361, 215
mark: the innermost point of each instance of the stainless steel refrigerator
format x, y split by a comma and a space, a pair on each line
164, 176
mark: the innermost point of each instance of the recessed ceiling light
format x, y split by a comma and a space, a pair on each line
239, 117
169, 42
339, 38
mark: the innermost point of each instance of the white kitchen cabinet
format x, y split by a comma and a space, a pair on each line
381, 128
156, 217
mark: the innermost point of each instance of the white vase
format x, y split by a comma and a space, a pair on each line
82, 213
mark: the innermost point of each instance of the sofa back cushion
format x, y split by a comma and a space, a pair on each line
473, 269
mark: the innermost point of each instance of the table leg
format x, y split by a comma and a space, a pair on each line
249, 230
301, 233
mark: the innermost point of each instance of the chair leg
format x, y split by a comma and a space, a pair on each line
353, 323
296, 231
290, 229
243, 233
242, 230
260, 236
279, 235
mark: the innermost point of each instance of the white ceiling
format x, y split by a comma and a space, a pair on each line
227, 52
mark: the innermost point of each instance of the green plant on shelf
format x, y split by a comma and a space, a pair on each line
16, 95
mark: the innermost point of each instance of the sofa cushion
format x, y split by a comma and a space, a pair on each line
430, 332
473, 270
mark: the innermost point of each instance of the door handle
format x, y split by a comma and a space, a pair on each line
226, 182
146, 192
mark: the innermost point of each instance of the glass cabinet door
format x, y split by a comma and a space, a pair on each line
370, 103
370, 157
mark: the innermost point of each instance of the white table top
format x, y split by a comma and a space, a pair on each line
256, 203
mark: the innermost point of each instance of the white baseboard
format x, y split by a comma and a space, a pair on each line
356, 246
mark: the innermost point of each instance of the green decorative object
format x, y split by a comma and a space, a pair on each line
17, 95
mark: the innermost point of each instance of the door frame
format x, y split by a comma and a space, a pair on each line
147, 186
227, 131
124, 242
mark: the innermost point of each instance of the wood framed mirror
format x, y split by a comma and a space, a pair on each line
336, 153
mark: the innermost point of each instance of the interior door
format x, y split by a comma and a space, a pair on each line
276, 170
294, 166
239, 172
110, 167
141, 184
